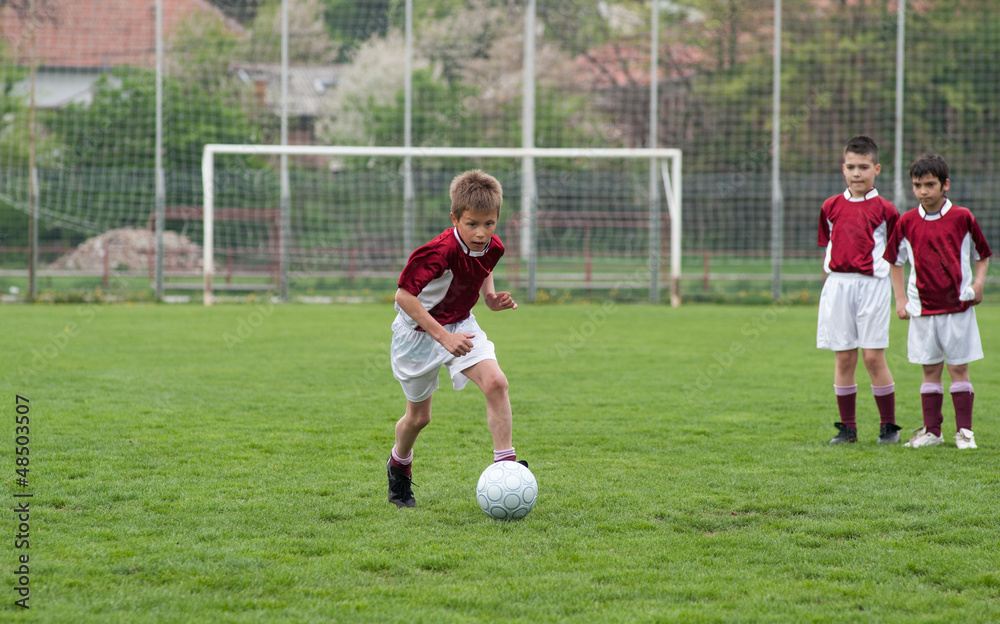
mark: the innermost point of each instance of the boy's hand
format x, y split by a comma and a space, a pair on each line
978, 289
457, 344
901, 308
500, 301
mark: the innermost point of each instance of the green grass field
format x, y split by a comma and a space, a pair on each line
228, 465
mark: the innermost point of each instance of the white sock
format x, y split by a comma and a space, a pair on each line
406, 461
505, 454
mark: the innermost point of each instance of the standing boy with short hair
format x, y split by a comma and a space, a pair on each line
940, 240
854, 308
434, 326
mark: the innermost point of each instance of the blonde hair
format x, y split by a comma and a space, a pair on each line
477, 191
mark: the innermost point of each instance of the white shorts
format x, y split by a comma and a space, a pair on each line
854, 311
953, 338
416, 358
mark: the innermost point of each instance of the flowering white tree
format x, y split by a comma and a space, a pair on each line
468, 73
308, 41
374, 79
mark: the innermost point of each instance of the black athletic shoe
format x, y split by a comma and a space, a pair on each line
523, 462
845, 434
400, 488
888, 434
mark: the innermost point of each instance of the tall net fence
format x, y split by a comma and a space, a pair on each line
79, 131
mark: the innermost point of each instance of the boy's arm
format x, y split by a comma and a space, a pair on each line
496, 301
980, 280
899, 290
456, 344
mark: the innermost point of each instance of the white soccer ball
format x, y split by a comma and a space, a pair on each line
507, 490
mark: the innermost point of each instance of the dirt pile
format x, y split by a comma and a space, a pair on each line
132, 249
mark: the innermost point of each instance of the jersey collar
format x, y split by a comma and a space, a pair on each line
869, 195
469, 252
937, 215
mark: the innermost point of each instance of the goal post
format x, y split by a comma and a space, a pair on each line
666, 161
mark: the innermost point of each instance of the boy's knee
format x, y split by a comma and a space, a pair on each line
846, 359
495, 384
874, 363
419, 422
960, 371
874, 359
418, 418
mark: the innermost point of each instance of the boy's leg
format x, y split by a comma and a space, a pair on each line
491, 380
877, 369
961, 395
932, 397
883, 387
844, 386
417, 416
845, 363
398, 470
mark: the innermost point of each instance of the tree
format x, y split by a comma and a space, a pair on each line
352, 23
201, 53
45, 10
951, 103
117, 128
308, 39
243, 11
466, 89
13, 113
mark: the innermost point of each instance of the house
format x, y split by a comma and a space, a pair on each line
78, 40
309, 88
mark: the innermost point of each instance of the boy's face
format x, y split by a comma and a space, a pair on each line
930, 192
859, 172
475, 228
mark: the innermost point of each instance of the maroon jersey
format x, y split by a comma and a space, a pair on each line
940, 248
854, 232
446, 276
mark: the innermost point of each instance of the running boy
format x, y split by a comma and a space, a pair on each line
854, 308
434, 326
939, 239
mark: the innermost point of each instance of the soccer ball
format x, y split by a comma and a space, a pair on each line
506, 490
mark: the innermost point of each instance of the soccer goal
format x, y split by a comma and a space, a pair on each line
573, 219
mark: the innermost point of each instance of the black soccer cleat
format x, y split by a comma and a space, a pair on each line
845, 434
400, 488
523, 462
888, 433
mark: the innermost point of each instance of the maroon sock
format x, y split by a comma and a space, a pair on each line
886, 408
405, 469
885, 399
930, 403
963, 409
847, 404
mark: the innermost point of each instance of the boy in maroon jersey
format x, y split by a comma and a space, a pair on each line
434, 325
854, 306
941, 241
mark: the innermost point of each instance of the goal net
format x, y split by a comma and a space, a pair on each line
573, 219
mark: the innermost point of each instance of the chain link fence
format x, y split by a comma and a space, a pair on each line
105, 107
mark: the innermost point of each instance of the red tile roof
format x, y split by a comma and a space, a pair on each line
102, 33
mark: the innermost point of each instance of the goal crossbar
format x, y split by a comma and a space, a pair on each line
671, 180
